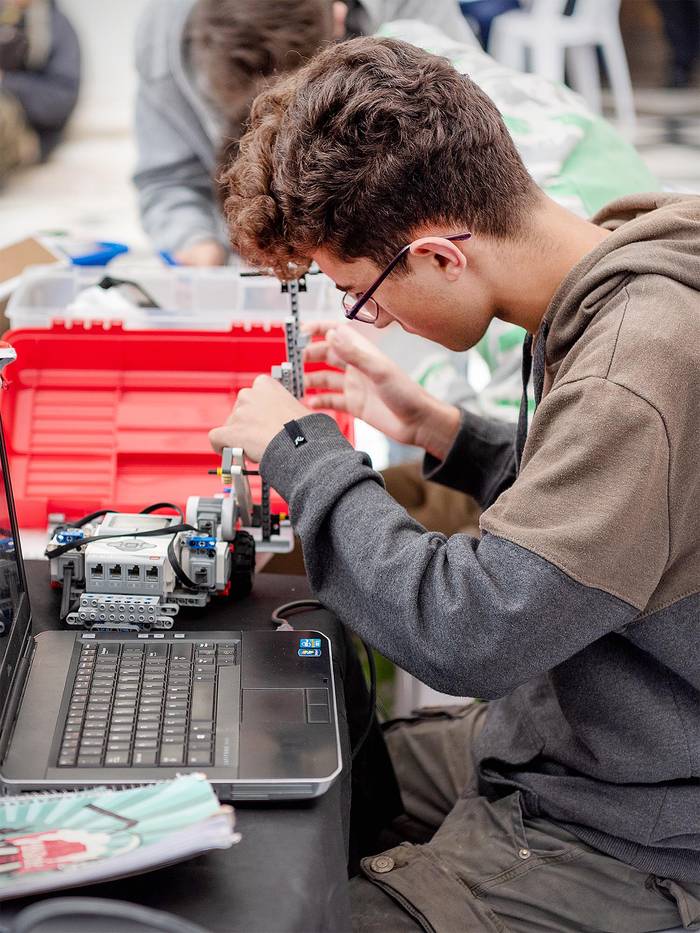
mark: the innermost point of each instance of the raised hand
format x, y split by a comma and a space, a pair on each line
372, 387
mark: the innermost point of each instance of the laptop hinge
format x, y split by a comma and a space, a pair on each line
19, 681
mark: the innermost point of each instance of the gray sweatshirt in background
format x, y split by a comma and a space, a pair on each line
178, 132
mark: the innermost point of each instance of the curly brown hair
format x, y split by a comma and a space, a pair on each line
370, 141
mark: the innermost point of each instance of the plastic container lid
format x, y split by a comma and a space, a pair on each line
189, 298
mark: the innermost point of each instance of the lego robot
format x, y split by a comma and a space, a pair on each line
133, 572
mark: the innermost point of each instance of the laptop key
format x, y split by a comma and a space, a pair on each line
89, 761
146, 743
171, 754
117, 758
144, 757
200, 735
198, 758
108, 649
95, 718
227, 697
202, 702
66, 761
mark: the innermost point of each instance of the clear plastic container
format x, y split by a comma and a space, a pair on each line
189, 298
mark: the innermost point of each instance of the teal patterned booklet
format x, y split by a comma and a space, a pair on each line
57, 840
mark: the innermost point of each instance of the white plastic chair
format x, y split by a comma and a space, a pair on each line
548, 35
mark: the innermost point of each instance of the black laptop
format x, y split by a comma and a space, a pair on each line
253, 710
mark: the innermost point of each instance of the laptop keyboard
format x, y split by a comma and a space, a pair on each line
145, 704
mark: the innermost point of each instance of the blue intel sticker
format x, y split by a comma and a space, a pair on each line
309, 652
309, 642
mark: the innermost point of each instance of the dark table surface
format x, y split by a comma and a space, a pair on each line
288, 873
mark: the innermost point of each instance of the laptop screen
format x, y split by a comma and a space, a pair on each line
14, 603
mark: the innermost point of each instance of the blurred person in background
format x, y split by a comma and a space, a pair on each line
200, 65
39, 80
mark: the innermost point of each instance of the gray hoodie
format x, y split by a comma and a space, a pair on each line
178, 132
577, 612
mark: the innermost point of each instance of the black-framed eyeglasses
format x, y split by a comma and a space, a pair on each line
365, 308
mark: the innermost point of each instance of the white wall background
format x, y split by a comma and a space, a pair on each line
106, 31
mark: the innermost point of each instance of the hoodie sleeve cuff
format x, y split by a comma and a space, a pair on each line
284, 464
481, 461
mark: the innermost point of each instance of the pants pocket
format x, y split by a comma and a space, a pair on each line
431, 895
687, 898
433, 713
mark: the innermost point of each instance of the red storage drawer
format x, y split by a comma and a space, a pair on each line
99, 417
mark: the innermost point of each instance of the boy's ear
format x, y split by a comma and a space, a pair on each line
446, 253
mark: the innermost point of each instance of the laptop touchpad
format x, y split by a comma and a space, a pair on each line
273, 704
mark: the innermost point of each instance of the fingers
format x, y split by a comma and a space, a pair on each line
319, 328
316, 352
324, 379
332, 400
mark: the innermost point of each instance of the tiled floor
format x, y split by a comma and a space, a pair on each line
668, 135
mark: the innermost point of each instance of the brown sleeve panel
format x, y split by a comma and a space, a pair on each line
592, 494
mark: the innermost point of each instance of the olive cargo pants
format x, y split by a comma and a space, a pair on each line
488, 868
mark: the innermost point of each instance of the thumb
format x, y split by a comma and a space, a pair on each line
220, 438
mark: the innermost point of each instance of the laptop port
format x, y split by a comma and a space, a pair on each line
134, 572
115, 570
97, 571
151, 573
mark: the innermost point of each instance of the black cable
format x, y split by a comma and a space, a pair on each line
89, 518
153, 533
163, 505
290, 609
372, 700
308, 605
109, 281
36, 915
177, 567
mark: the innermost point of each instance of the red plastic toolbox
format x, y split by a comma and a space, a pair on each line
100, 417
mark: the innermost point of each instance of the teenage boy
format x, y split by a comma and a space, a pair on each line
571, 800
